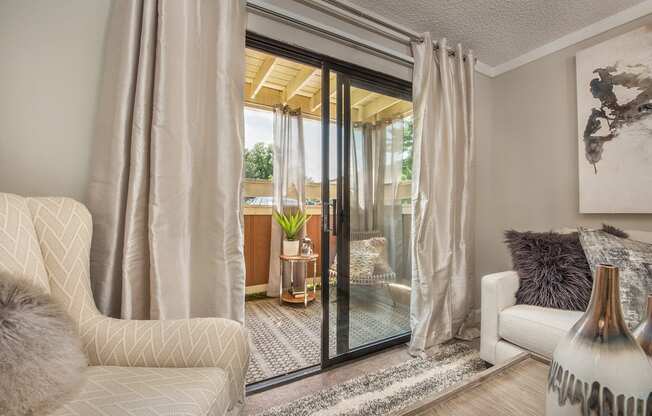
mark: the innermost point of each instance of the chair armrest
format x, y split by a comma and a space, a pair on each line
498, 293
198, 342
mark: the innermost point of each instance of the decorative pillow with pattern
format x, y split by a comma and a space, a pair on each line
382, 262
633, 259
362, 265
362, 259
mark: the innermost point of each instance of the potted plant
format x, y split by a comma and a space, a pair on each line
291, 224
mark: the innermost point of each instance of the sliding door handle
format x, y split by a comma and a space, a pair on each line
335, 218
330, 221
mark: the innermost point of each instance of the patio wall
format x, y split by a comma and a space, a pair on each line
257, 233
258, 226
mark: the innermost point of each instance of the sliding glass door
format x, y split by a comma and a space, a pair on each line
359, 224
368, 172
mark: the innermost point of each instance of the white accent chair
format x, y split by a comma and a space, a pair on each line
187, 366
508, 329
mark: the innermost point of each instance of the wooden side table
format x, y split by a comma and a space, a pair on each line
289, 295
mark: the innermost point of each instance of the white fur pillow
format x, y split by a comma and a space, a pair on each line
41, 360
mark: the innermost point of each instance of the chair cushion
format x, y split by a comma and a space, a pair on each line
535, 328
20, 252
140, 391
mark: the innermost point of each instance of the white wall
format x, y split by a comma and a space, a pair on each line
51, 57
527, 170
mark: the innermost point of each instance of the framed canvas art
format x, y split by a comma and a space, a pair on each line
614, 107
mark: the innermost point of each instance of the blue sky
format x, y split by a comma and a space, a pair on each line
259, 128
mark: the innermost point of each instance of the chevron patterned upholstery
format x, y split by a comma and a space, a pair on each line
118, 391
20, 253
47, 240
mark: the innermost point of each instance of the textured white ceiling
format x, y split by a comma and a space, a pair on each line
497, 30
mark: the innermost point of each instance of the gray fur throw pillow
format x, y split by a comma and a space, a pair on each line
41, 360
552, 268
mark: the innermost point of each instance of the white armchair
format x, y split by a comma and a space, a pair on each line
508, 329
195, 366
498, 294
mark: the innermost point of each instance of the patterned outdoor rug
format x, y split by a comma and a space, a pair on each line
392, 389
287, 338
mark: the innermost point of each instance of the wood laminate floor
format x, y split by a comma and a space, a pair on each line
304, 387
257, 402
516, 391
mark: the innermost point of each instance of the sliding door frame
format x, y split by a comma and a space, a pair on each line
373, 81
345, 80
370, 79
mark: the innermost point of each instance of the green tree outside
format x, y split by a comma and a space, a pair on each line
408, 141
259, 161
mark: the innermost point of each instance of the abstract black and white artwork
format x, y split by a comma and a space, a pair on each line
614, 105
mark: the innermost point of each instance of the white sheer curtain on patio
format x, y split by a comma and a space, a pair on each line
441, 193
288, 184
376, 167
166, 185
367, 172
393, 225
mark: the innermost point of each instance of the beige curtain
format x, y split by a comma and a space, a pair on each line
441, 193
288, 184
167, 168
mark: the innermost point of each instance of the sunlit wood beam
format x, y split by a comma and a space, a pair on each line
315, 100
377, 105
359, 97
303, 77
399, 110
261, 76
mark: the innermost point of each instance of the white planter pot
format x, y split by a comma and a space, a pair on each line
291, 248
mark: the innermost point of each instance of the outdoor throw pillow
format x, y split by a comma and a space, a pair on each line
362, 265
552, 269
362, 260
633, 259
382, 261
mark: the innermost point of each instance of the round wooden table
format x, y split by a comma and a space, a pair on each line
291, 295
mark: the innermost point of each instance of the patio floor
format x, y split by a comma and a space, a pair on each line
287, 338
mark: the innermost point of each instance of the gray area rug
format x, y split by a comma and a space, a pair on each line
392, 389
287, 338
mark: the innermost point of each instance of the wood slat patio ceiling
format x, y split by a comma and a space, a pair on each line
270, 80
